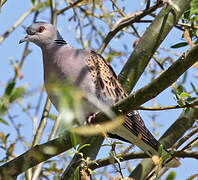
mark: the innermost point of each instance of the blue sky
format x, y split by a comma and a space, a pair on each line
33, 70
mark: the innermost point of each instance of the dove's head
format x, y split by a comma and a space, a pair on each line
41, 34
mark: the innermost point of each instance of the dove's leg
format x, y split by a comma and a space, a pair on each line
91, 117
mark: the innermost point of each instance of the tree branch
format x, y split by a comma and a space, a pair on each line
53, 133
36, 155
139, 155
91, 151
144, 50
185, 138
194, 104
69, 7
168, 139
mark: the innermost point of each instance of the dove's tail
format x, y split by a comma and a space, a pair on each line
134, 130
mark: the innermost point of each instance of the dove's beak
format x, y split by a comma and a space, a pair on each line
25, 39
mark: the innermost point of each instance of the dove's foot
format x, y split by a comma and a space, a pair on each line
91, 118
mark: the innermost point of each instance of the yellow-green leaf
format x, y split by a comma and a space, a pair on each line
183, 94
171, 175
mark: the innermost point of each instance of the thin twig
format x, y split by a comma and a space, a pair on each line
40, 130
148, 4
69, 7
189, 144
18, 22
35, 118
42, 124
53, 12
80, 28
139, 155
185, 138
194, 104
52, 136
188, 25
17, 130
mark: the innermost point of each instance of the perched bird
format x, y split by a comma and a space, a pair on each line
91, 73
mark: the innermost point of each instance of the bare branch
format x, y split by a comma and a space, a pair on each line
52, 136
36, 155
18, 22
139, 155
69, 7
185, 138
124, 22
194, 104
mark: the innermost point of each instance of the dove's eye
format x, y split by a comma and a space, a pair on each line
41, 29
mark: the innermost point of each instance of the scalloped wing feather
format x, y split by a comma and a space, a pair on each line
109, 90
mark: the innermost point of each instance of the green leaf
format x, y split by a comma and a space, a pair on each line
109, 58
33, 2
17, 92
186, 14
195, 18
171, 175
194, 7
184, 77
9, 87
119, 155
180, 89
179, 45
77, 173
194, 89
180, 103
4, 103
165, 157
11, 94
191, 99
183, 94
73, 139
47, 3
90, 171
3, 121
160, 150
52, 117
83, 146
